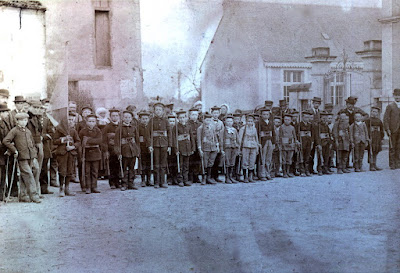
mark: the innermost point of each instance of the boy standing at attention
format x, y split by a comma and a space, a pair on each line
359, 140
231, 145
248, 141
287, 142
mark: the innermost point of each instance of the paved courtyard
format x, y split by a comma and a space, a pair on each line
336, 223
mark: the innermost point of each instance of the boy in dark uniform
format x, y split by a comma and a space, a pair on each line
231, 146
20, 143
267, 137
359, 140
195, 160
287, 142
237, 124
172, 166
306, 138
160, 144
295, 167
67, 144
323, 140
276, 154
111, 157
145, 157
127, 148
184, 144
376, 134
91, 138
341, 135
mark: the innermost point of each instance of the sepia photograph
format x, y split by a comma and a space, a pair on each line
200, 136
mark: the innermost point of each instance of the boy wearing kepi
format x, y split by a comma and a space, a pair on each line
266, 133
248, 142
127, 148
323, 139
208, 141
195, 160
341, 135
359, 140
376, 134
20, 142
184, 146
287, 142
67, 143
306, 139
91, 138
231, 145
276, 155
145, 157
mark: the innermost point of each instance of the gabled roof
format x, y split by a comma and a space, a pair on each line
23, 4
286, 33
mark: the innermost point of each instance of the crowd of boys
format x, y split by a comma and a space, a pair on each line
167, 147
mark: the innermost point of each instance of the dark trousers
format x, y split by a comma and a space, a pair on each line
195, 163
14, 190
216, 166
276, 161
184, 172
129, 171
341, 158
359, 150
312, 156
115, 170
306, 151
323, 165
394, 150
160, 165
91, 174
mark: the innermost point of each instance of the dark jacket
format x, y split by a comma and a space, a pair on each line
375, 133
60, 141
35, 126
266, 131
161, 132
144, 138
127, 141
92, 146
185, 139
109, 137
48, 135
21, 139
391, 118
4, 130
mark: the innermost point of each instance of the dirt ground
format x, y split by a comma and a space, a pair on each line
336, 223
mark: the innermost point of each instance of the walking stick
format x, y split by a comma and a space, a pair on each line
6, 180
48, 173
12, 180
120, 148
151, 154
177, 148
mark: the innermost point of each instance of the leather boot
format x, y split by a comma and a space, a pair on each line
285, 175
67, 192
251, 176
246, 176
288, 171
209, 179
203, 179
44, 188
232, 176
62, 179
143, 184
228, 176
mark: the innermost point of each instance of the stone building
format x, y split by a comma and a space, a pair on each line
23, 48
264, 51
92, 47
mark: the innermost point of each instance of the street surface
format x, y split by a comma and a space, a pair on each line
336, 223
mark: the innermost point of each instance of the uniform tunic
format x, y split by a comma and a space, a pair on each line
248, 141
66, 159
194, 161
208, 141
231, 145
376, 133
287, 140
108, 146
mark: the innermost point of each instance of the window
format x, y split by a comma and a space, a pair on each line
337, 89
289, 78
102, 37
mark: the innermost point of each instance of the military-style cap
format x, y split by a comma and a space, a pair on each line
4, 93
268, 103
282, 103
86, 107
4, 107
287, 115
328, 106
91, 116
207, 115
19, 99
35, 103
171, 116
193, 109
237, 115
376, 107
143, 113
21, 116
180, 111
158, 103
351, 100
324, 113
197, 103
307, 112
215, 108
238, 111
70, 113
113, 110
316, 99
396, 92
277, 117
294, 112
250, 116
169, 105
265, 109
127, 112
228, 116
45, 100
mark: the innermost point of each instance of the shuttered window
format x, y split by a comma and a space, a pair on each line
102, 37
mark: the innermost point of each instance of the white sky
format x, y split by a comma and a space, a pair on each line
176, 35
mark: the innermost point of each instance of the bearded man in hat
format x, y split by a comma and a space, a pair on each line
351, 109
391, 123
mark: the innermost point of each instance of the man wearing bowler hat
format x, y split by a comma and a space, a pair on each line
391, 123
351, 109
316, 112
4, 95
19, 102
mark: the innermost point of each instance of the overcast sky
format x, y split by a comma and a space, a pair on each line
177, 33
